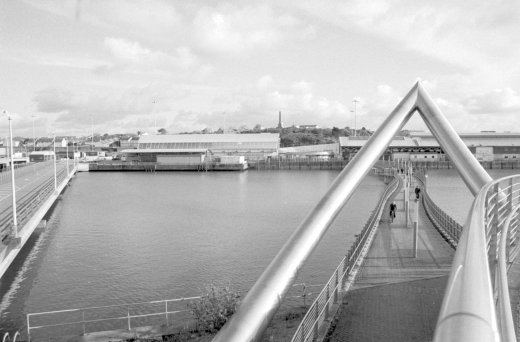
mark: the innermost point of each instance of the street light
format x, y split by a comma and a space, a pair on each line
13, 186
355, 101
55, 176
34, 136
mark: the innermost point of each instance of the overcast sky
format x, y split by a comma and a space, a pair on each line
128, 65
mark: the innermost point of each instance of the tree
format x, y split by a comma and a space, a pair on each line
162, 131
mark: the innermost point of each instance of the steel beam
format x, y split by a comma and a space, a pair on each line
261, 302
468, 167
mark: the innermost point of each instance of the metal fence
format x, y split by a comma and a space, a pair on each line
80, 321
7, 337
444, 223
29, 202
321, 308
476, 305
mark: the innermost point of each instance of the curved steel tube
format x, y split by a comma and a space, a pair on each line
260, 304
468, 308
468, 312
506, 324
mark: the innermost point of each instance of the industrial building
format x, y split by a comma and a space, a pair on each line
196, 148
421, 146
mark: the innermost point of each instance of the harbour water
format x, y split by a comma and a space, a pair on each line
118, 238
450, 193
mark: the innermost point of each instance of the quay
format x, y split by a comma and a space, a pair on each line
38, 187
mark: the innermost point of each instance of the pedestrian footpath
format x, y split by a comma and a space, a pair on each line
397, 297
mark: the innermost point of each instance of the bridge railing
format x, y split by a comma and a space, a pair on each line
443, 222
321, 308
28, 203
476, 305
80, 321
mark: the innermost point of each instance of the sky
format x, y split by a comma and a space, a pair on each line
68, 67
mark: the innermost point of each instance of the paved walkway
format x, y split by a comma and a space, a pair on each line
397, 297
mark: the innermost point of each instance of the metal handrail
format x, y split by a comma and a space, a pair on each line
128, 317
7, 337
446, 225
503, 300
320, 309
469, 311
26, 203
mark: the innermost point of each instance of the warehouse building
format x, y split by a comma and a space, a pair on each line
421, 146
196, 148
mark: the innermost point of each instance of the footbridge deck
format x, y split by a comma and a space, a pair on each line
396, 296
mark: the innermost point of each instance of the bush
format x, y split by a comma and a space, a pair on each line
215, 306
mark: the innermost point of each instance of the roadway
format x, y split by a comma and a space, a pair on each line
31, 182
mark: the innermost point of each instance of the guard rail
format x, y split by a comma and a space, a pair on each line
322, 307
475, 306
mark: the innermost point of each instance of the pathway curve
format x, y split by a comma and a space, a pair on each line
397, 297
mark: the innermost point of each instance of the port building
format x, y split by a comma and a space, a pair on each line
421, 146
196, 148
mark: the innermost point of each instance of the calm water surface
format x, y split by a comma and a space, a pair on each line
451, 194
127, 237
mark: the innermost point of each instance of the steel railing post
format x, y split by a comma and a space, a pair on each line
128, 315
28, 328
166, 312
493, 235
327, 302
317, 316
336, 287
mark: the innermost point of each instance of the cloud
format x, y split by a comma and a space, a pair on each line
227, 28
102, 107
496, 101
472, 34
139, 17
131, 56
260, 104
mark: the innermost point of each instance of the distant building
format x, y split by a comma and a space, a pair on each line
308, 126
177, 148
322, 151
419, 146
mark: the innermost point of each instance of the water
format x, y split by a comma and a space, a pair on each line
450, 193
128, 237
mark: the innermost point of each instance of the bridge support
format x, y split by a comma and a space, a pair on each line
263, 299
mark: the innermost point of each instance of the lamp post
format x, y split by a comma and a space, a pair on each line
34, 136
92, 137
67, 158
355, 101
55, 176
13, 186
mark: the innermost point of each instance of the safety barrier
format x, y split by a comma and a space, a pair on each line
28, 203
476, 305
81, 321
322, 307
444, 223
7, 337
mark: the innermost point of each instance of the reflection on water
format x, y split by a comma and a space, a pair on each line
128, 237
450, 193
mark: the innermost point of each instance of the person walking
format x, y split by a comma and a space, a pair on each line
417, 192
393, 208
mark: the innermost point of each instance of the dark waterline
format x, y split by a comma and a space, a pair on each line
127, 237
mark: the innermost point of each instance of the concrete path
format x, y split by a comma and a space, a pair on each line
397, 297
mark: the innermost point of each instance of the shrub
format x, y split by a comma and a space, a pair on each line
215, 306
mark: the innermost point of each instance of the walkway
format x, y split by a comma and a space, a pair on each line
397, 297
